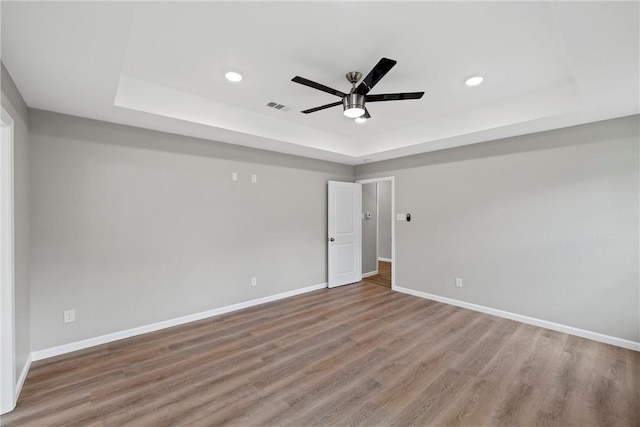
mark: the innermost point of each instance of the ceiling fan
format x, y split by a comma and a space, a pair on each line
354, 102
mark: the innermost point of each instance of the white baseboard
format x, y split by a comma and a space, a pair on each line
23, 376
607, 339
384, 259
103, 339
369, 274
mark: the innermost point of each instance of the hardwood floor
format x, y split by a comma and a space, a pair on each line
353, 355
383, 278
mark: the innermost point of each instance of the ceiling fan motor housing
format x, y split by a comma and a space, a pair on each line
353, 104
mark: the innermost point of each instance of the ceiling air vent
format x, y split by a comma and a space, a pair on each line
278, 106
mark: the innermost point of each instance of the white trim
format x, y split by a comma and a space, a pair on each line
384, 259
393, 220
103, 339
595, 336
23, 376
369, 274
377, 222
7, 267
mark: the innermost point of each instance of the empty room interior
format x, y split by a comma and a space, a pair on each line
307, 213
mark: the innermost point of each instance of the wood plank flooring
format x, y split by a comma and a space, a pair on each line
383, 278
353, 355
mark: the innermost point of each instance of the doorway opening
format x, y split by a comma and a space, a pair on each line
378, 231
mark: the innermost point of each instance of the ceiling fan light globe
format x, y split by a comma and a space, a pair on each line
354, 112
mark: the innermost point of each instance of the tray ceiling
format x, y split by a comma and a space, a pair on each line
161, 65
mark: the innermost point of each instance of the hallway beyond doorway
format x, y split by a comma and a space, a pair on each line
383, 278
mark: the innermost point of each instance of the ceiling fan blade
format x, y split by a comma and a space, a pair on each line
322, 107
318, 86
393, 96
379, 71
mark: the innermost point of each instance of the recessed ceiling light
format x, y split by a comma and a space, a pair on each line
474, 81
361, 120
232, 76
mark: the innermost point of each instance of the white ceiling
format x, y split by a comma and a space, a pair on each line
160, 65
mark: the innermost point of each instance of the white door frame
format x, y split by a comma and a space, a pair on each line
393, 221
7, 285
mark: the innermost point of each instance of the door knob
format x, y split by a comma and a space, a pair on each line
332, 239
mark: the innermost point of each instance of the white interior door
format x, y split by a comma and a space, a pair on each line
345, 233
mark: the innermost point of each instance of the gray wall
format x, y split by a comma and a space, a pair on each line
369, 229
132, 227
543, 225
13, 103
384, 219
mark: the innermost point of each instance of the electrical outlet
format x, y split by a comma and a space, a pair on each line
254, 178
254, 281
459, 282
69, 316
234, 176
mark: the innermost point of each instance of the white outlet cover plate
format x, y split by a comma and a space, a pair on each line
69, 316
